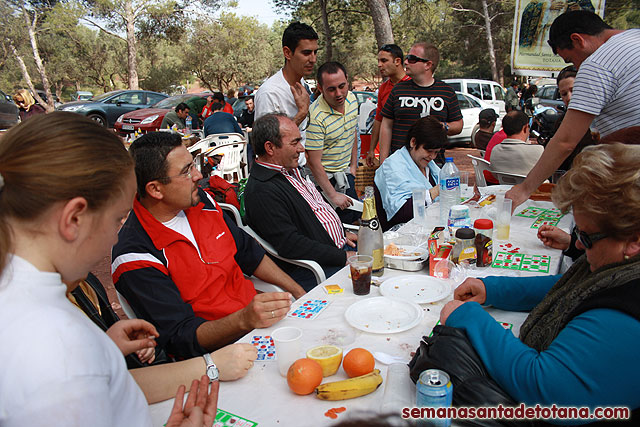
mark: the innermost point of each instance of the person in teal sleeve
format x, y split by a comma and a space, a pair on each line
579, 345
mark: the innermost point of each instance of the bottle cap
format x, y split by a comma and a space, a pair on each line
483, 224
448, 159
465, 233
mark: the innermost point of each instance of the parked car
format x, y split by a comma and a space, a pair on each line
150, 119
470, 107
82, 95
9, 112
362, 97
548, 96
490, 92
106, 108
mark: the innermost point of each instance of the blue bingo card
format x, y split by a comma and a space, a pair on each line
310, 309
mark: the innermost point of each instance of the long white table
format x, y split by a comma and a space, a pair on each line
263, 395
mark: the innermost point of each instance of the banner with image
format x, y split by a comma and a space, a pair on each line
530, 53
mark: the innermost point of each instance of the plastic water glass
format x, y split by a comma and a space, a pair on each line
503, 223
419, 205
464, 183
287, 341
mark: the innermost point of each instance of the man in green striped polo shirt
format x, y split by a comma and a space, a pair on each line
331, 136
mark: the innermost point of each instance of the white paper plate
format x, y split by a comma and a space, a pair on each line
415, 288
382, 315
413, 253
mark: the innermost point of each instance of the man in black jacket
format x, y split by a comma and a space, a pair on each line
286, 209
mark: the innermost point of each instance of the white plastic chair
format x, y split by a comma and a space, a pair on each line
231, 158
315, 268
479, 166
505, 178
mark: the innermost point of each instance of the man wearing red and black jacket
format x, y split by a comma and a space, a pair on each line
421, 96
390, 59
180, 262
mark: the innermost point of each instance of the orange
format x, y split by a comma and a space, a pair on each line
304, 376
358, 362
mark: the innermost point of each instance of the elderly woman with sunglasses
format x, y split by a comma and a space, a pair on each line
27, 105
579, 344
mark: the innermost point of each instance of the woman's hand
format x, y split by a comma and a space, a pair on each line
434, 192
471, 289
449, 308
200, 408
133, 335
554, 237
234, 361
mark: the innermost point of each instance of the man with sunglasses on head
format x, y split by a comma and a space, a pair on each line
421, 96
606, 89
181, 263
390, 59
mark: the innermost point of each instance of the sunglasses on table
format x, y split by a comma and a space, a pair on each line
587, 240
412, 59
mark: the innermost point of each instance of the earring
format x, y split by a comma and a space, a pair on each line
626, 256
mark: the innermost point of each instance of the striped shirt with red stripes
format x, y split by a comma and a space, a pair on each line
322, 210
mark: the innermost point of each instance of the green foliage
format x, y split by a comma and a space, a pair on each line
230, 51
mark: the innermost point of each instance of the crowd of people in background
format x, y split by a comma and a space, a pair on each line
183, 264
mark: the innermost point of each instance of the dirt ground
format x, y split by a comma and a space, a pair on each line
103, 269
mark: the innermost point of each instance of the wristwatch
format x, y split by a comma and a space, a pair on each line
212, 369
446, 126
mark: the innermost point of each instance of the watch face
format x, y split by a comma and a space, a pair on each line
212, 373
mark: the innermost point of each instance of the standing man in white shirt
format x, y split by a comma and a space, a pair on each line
286, 92
606, 91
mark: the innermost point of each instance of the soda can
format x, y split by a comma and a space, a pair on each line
434, 390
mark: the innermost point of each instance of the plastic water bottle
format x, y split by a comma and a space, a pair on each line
449, 189
188, 123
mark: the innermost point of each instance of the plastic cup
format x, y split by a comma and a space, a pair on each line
464, 182
288, 345
419, 205
361, 267
503, 223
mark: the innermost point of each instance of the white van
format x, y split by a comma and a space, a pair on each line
487, 90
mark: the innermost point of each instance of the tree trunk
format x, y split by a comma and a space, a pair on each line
381, 22
492, 52
25, 73
31, 28
328, 37
132, 49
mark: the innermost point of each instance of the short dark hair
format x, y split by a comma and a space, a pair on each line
218, 96
514, 121
217, 106
393, 49
266, 128
295, 32
331, 67
574, 21
181, 107
428, 132
149, 154
566, 72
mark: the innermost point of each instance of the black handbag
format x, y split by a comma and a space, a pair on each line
450, 350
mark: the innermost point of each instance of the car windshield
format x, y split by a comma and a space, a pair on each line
105, 95
172, 101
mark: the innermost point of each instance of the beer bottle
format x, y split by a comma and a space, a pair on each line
370, 234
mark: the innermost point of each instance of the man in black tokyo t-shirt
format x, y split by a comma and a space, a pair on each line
421, 96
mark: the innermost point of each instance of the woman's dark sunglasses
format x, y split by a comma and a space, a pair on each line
587, 240
412, 59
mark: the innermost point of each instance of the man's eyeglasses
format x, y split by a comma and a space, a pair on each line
587, 240
412, 59
186, 174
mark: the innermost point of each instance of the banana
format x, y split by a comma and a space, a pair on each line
348, 389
